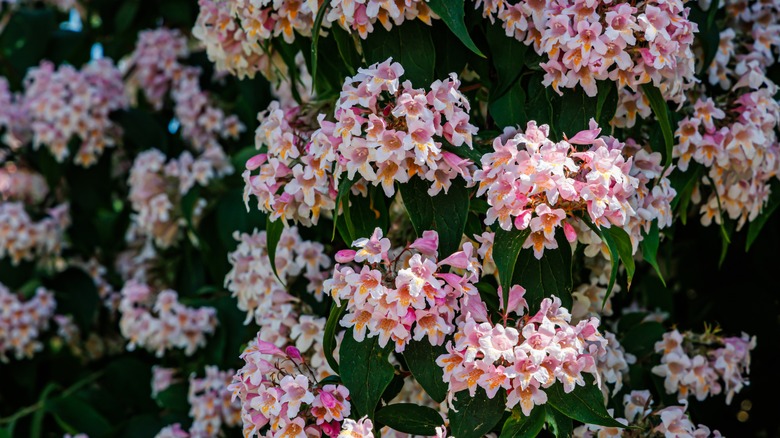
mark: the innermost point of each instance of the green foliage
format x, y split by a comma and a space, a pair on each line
473, 417
410, 418
365, 371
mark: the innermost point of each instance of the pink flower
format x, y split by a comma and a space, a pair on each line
373, 249
296, 392
500, 342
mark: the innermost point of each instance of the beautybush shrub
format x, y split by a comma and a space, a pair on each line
387, 218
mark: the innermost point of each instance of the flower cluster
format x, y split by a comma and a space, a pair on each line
278, 389
154, 68
235, 32
385, 132
13, 120
18, 183
589, 40
697, 363
65, 103
258, 290
22, 238
361, 16
737, 142
671, 422
524, 360
159, 322
403, 293
211, 403
21, 322
537, 184
157, 186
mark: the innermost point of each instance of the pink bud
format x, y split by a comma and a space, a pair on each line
428, 244
585, 137
523, 220
345, 256
256, 161
517, 300
331, 429
294, 354
268, 348
327, 399
457, 260
570, 232
409, 318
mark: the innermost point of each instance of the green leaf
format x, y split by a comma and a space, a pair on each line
507, 56
77, 295
37, 419
174, 398
329, 338
410, 45
622, 243
446, 213
755, 226
394, 388
509, 109
661, 111
126, 14
539, 103
346, 43
366, 213
560, 425
410, 418
584, 403
684, 183
473, 417
650, 244
315, 38
549, 276
274, 231
344, 187
506, 248
640, 339
452, 13
614, 256
577, 108
365, 371
421, 358
80, 416
520, 426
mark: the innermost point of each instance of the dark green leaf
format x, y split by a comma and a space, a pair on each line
394, 388
410, 418
366, 213
421, 358
640, 339
126, 14
452, 13
445, 213
329, 338
315, 37
24, 39
507, 56
520, 426
410, 45
344, 187
345, 42
649, 245
76, 295
549, 276
606, 103
506, 248
577, 108
474, 416
37, 419
584, 403
560, 425
539, 103
274, 231
80, 416
755, 226
684, 183
365, 371
622, 243
661, 112
509, 109
174, 398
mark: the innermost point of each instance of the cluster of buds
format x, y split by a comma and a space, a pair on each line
159, 322
404, 293
65, 103
588, 40
21, 322
670, 422
263, 296
211, 403
157, 187
154, 68
697, 363
537, 184
280, 390
523, 359
361, 16
18, 183
385, 132
736, 140
21, 238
